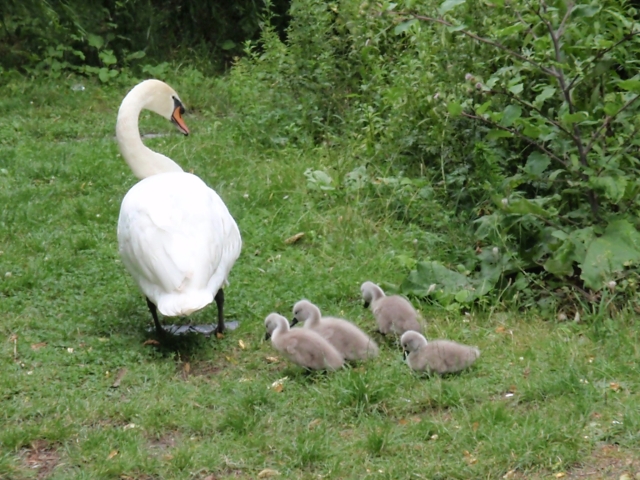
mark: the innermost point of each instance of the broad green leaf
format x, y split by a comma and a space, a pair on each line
537, 163
531, 131
522, 206
483, 108
545, 94
618, 248
404, 26
571, 118
228, 45
510, 115
516, 89
454, 108
95, 41
518, 27
586, 11
562, 260
135, 55
449, 5
103, 75
632, 85
498, 133
613, 187
611, 108
107, 57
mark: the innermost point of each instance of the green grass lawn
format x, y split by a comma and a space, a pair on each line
545, 399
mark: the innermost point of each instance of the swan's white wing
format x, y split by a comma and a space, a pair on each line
178, 241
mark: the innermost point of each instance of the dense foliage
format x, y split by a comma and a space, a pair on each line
519, 119
502, 132
105, 36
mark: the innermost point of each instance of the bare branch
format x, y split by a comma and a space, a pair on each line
518, 134
607, 122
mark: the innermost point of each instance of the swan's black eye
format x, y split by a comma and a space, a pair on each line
178, 104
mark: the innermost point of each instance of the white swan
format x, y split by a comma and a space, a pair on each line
175, 235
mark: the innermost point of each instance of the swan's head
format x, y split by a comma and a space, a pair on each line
412, 341
274, 322
303, 311
160, 98
370, 292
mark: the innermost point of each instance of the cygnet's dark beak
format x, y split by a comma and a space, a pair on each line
293, 323
267, 336
405, 354
366, 304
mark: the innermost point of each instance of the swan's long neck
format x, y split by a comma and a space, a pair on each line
143, 161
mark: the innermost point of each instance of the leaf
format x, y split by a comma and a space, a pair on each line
612, 252
585, 11
613, 187
454, 108
38, 346
135, 55
449, 5
561, 263
571, 118
107, 57
545, 94
112, 454
294, 238
404, 26
632, 85
228, 45
522, 206
95, 41
518, 27
516, 89
510, 115
498, 133
537, 163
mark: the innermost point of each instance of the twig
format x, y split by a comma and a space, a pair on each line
608, 121
517, 133
600, 54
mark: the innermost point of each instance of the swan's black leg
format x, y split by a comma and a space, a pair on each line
154, 314
220, 303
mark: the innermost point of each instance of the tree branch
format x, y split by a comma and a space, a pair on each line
601, 54
534, 108
518, 134
608, 121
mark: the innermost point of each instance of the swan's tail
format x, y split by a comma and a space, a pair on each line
181, 304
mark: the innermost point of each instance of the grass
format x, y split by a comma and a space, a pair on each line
544, 398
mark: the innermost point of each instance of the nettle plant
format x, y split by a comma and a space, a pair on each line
561, 112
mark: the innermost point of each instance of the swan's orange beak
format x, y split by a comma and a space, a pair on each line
177, 118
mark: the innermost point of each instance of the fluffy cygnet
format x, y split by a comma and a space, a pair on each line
394, 314
348, 339
439, 356
303, 347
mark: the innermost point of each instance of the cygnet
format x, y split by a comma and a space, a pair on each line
394, 314
439, 356
302, 346
348, 339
